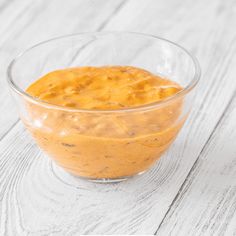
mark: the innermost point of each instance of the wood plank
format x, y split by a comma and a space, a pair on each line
207, 39
28, 22
62, 205
10, 11
206, 203
4, 4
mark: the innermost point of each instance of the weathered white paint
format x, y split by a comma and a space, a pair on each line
29, 22
206, 204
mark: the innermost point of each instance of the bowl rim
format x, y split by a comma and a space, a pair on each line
193, 82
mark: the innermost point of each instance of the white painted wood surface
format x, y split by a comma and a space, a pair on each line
206, 203
190, 192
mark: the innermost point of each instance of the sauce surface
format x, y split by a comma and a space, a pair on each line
104, 145
108, 87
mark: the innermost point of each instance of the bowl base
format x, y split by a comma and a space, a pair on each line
107, 180
61, 173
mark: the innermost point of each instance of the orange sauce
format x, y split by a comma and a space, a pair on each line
104, 144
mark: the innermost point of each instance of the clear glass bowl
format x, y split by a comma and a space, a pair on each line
105, 145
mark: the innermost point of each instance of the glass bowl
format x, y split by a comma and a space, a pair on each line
105, 145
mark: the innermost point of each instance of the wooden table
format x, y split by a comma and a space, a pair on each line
191, 191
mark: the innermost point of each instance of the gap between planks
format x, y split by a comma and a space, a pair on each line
197, 160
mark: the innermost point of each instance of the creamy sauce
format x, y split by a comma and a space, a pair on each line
104, 145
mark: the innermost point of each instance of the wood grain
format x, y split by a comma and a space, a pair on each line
37, 198
28, 22
206, 204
